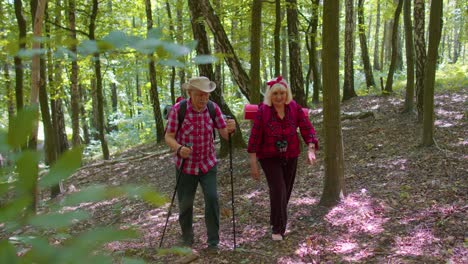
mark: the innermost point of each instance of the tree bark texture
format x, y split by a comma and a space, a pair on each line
370, 82
391, 70
435, 32
75, 93
348, 85
230, 57
409, 98
203, 48
19, 71
376, 39
98, 85
333, 145
154, 94
420, 52
296, 78
255, 51
277, 34
315, 64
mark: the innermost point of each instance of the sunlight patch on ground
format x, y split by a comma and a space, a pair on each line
253, 194
415, 243
303, 201
443, 123
358, 214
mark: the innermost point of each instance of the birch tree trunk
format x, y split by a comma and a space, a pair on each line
420, 52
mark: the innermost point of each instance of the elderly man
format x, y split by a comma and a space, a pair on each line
193, 141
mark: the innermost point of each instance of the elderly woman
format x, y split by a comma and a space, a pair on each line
275, 143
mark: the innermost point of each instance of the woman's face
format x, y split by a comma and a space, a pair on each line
199, 99
278, 97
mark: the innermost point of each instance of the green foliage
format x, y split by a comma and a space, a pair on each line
451, 77
31, 230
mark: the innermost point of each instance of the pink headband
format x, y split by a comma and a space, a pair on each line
275, 81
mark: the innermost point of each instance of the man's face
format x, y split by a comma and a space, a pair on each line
199, 99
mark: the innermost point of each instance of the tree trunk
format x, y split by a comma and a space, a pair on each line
180, 40
317, 76
199, 33
277, 40
36, 86
370, 82
420, 52
84, 122
255, 51
173, 70
334, 157
435, 30
75, 93
9, 93
238, 72
391, 70
154, 87
296, 78
98, 87
348, 85
376, 39
19, 72
409, 99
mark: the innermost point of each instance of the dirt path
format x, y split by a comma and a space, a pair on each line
404, 203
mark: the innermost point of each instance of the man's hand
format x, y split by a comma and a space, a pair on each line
231, 125
184, 151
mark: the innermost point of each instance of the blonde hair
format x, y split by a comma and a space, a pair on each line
278, 85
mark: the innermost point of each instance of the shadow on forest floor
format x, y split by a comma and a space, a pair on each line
404, 203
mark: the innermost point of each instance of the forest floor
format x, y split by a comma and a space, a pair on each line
404, 203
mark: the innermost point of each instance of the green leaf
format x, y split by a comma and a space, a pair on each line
132, 261
87, 47
28, 170
205, 59
65, 166
175, 251
12, 211
58, 220
7, 253
154, 33
147, 46
21, 127
145, 193
172, 63
92, 193
29, 53
117, 38
64, 53
176, 50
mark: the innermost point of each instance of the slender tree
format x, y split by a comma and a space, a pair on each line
277, 40
409, 44
199, 33
296, 78
313, 54
255, 51
221, 38
98, 98
420, 52
19, 71
376, 38
364, 51
36, 85
173, 70
435, 32
152, 76
75, 93
391, 70
348, 85
333, 190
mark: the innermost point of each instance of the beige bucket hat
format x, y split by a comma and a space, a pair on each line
201, 83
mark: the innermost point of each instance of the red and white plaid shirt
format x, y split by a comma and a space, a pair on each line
196, 129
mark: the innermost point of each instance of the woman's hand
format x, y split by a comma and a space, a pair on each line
254, 172
311, 159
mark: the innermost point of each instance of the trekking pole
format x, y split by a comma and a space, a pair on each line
179, 173
232, 191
